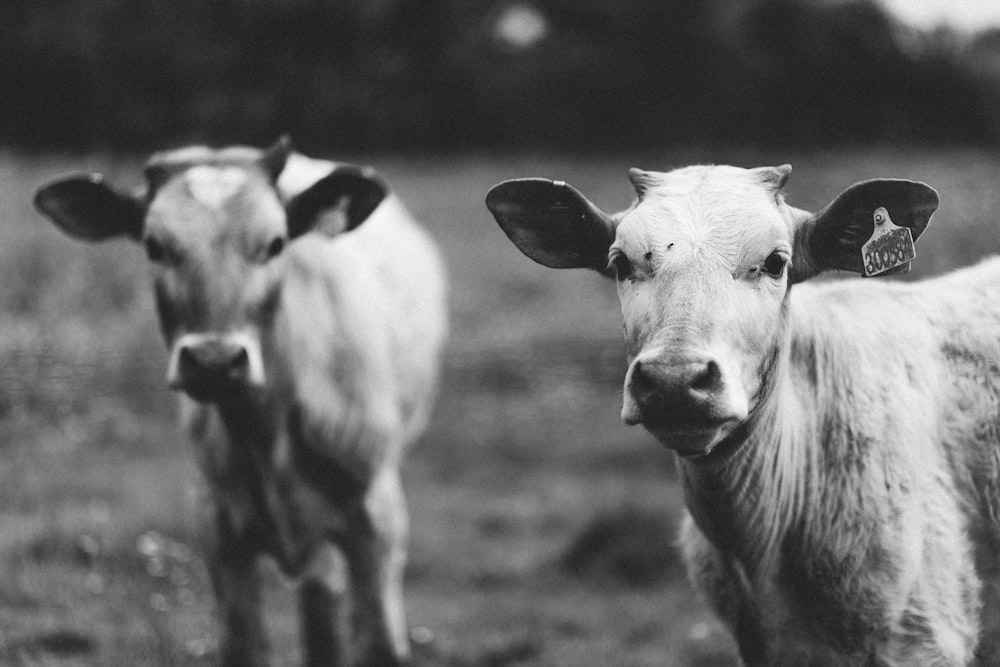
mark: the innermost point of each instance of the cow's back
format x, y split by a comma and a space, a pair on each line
361, 326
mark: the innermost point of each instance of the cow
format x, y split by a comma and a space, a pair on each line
303, 311
838, 442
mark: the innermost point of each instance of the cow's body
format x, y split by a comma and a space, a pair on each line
860, 516
334, 342
354, 356
839, 444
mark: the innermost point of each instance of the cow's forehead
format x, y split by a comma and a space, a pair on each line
731, 205
213, 185
209, 174
216, 196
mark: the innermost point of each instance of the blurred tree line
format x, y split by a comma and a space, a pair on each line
402, 75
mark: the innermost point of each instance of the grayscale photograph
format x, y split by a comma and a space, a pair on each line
500, 333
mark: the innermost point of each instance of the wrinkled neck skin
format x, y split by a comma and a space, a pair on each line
752, 488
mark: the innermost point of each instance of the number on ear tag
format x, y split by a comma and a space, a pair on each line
890, 246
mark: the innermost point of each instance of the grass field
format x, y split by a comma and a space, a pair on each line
542, 527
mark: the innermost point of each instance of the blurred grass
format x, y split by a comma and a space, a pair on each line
535, 512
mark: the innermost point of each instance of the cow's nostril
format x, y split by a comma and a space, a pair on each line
240, 358
640, 377
708, 378
187, 359
239, 363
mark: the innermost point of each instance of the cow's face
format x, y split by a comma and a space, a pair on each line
702, 269
215, 228
215, 235
704, 260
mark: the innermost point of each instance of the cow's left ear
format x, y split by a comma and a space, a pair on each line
834, 237
353, 191
87, 208
553, 223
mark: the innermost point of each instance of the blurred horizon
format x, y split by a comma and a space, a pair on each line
452, 76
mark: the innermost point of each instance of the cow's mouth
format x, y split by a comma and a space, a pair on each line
213, 388
690, 438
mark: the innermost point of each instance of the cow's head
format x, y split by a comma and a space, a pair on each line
704, 260
214, 226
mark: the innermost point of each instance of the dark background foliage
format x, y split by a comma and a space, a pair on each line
413, 75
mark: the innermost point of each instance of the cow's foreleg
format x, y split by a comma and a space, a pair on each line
238, 595
324, 609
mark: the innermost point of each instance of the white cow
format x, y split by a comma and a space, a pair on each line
312, 359
839, 443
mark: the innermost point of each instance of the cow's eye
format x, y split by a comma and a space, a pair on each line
275, 247
775, 264
619, 263
154, 250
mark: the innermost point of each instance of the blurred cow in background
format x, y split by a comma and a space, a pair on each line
839, 444
311, 350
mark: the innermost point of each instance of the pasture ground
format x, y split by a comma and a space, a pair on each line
542, 528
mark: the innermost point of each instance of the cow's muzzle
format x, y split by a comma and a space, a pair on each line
211, 368
687, 402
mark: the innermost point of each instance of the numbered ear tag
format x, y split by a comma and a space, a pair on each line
889, 247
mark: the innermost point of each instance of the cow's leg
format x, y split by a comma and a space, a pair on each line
236, 580
375, 546
324, 609
387, 508
232, 554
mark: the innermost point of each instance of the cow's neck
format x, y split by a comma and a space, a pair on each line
752, 490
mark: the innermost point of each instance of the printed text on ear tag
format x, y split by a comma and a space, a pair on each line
890, 246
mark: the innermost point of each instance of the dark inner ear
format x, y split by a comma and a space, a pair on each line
553, 223
837, 232
362, 187
86, 208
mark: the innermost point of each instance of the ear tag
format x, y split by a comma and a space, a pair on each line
890, 247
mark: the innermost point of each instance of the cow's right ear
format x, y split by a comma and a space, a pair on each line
86, 208
553, 223
352, 190
835, 237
